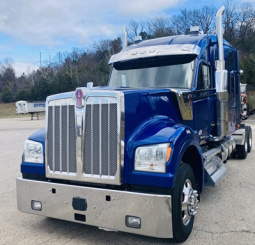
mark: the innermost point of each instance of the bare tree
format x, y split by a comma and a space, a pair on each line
159, 26
103, 47
134, 29
230, 20
204, 18
182, 22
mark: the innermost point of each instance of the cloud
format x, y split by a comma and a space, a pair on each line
52, 22
22, 67
145, 8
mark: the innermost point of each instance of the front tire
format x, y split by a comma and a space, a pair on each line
184, 203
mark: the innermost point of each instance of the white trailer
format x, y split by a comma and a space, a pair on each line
24, 107
247, 100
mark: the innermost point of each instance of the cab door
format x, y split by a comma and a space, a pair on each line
230, 57
204, 102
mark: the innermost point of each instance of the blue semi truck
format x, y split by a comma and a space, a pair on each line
135, 155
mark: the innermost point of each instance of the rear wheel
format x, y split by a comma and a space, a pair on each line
249, 138
184, 203
242, 150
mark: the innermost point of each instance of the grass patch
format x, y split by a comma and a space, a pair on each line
8, 110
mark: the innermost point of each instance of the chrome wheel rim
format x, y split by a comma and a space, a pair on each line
246, 146
189, 202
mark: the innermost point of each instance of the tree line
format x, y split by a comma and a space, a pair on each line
69, 70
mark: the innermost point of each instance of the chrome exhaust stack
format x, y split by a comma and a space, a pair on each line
221, 80
124, 37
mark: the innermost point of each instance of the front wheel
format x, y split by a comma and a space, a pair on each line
184, 203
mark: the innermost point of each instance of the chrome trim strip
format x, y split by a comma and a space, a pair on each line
153, 51
156, 218
185, 107
79, 113
122, 132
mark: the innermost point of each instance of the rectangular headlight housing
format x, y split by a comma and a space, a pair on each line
152, 158
33, 152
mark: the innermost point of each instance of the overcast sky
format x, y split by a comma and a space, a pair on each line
28, 27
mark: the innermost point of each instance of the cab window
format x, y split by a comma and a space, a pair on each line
204, 79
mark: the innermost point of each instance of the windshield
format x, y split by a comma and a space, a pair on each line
166, 72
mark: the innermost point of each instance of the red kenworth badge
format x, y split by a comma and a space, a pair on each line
78, 96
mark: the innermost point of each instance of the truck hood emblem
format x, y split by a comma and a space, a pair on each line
79, 95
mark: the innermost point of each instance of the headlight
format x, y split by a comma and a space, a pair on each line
33, 151
152, 158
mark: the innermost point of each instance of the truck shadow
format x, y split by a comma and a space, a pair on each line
84, 234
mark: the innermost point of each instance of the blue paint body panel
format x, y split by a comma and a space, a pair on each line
151, 118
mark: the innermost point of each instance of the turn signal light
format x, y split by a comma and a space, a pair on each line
168, 153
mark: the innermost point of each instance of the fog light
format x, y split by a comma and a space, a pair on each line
133, 222
36, 205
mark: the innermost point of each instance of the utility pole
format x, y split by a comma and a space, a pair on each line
40, 59
49, 60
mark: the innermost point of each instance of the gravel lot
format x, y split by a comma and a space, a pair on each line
226, 214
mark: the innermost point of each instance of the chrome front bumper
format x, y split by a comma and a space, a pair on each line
105, 208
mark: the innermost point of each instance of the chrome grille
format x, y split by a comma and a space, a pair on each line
85, 143
100, 138
61, 139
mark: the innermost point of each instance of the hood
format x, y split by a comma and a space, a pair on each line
143, 105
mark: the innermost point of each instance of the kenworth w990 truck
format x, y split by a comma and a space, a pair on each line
135, 155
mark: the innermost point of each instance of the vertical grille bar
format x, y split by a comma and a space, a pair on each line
57, 138
108, 133
60, 139
64, 138
72, 140
100, 140
92, 165
67, 139
53, 136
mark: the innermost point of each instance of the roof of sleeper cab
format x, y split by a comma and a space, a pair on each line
199, 40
